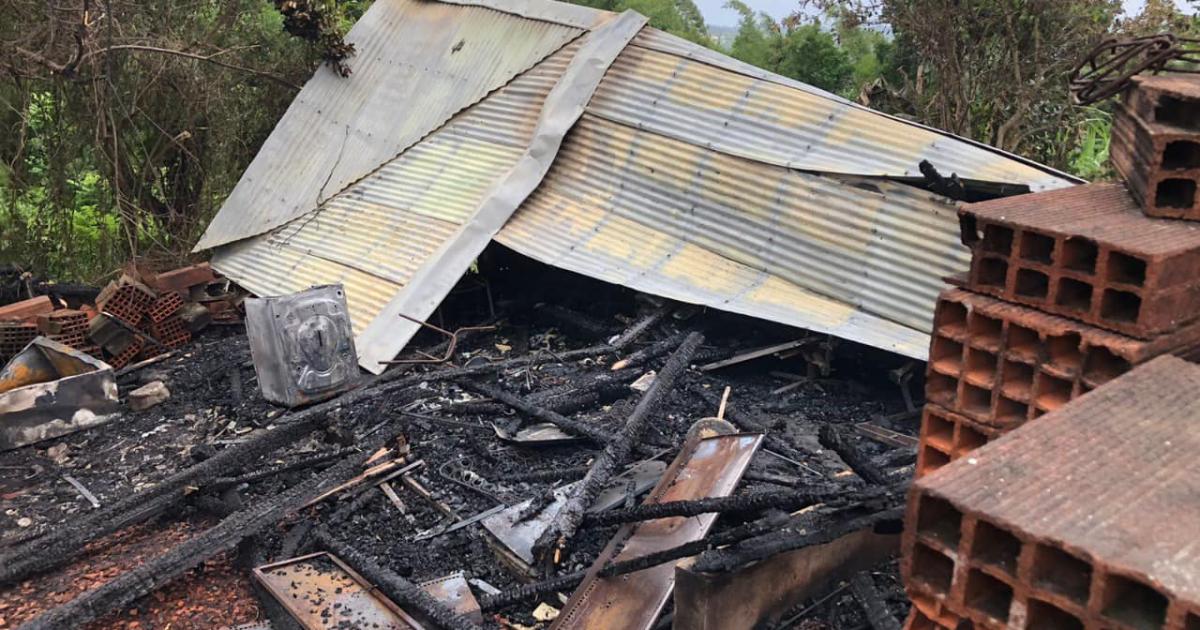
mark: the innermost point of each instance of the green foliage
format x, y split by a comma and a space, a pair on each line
840, 62
1089, 159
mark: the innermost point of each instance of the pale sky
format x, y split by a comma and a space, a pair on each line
715, 12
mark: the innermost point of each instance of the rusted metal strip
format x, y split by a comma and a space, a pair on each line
706, 467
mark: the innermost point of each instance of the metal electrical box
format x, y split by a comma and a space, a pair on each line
302, 345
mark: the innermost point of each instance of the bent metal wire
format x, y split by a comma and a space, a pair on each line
1109, 67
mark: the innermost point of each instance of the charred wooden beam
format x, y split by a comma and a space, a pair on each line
878, 615
752, 502
788, 539
768, 523
571, 580
299, 463
401, 591
639, 327
656, 349
541, 413
832, 439
614, 455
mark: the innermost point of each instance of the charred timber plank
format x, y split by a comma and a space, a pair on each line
642, 325
831, 438
615, 453
656, 349
149, 576
753, 502
401, 591
878, 615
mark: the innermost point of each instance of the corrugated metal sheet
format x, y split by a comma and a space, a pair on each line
675, 182
859, 259
418, 62
687, 92
375, 235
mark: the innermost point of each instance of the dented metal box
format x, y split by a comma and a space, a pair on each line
302, 345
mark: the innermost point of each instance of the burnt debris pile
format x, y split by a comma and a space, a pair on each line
605, 459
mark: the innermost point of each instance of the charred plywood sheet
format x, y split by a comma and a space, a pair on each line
417, 64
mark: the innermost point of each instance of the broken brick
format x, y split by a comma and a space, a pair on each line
148, 395
26, 309
180, 281
1088, 253
947, 436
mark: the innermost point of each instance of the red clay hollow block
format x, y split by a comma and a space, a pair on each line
1002, 364
130, 353
170, 332
930, 614
165, 306
947, 436
128, 302
1156, 144
1088, 253
1087, 518
62, 322
181, 280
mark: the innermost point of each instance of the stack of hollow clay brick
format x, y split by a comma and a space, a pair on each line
1087, 518
1067, 290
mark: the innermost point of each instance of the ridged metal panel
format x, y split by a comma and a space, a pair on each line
417, 63
378, 232
675, 87
878, 246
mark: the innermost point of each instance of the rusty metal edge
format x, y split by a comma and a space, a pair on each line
260, 575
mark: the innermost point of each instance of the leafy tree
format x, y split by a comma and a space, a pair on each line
811, 55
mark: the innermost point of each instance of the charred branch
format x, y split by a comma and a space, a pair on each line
652, 351
575, 322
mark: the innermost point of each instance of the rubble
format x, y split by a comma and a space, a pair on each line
148, 395
433, 521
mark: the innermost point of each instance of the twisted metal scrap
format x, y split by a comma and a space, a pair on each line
1108, 69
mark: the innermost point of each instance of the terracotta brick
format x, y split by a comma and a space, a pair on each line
26, 309
1087, 253
1156, 144
181, 280
1084, 519
165, 306
1001, 364
127, 302
947, 436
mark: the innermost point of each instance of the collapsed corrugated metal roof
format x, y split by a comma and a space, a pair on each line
685, 173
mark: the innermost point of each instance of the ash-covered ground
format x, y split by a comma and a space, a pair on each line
215, 404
